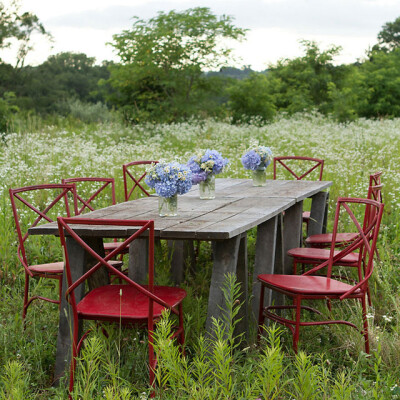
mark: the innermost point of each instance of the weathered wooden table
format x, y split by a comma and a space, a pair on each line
238, 207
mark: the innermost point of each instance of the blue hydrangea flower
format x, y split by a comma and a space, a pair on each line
204, 164
199, 177
258, 157
169, 179
251, 160
194, 165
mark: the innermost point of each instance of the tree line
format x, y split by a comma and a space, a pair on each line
162, 74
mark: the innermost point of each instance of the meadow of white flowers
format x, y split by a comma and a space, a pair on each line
351, 152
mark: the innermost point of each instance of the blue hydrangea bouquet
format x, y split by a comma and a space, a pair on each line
169, 180
257, 160
204, 166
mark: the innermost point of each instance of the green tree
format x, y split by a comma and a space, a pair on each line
380, 82
50, 86
302, 83
389, 36
250, 98
161, 74
17, 26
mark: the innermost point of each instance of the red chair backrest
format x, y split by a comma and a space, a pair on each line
70, 227
314, 163
365, 241
97, 186
375, 178
374, 193
23, 197
136, 181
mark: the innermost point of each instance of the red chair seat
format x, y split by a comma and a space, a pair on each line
58, 267
110, 246
310, 284
325, 239
50, 268
116, 264
315, 254
101, 302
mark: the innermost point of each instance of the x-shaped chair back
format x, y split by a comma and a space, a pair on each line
286, 163
374, 193
135, 181
365, 242
98, 188
137, 228
59, 203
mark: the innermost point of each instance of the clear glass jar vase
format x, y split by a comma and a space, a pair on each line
168, 206
259, 177
207, 188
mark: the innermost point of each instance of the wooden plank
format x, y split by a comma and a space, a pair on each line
244, 219
298, 189
220, 185
274, 188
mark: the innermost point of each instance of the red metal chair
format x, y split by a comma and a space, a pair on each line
128, 173
128, 304
324, 240
317, 255
39, 203
289, 163
316, 287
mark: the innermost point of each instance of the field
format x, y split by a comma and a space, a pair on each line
335, 366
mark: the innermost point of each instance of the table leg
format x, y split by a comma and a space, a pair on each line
264, 263
178, 250
138, 260
318, 216
242, 277
226, 257
80, 262
181, 252
292, 223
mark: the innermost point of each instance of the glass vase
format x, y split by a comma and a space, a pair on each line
259, 177
207, 188
168, 206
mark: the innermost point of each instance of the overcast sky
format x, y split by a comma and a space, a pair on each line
275, 26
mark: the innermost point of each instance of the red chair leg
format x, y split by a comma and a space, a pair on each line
329, 304
59, 291
294, 267
296, 333
365, 323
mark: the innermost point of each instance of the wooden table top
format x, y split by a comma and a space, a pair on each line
238, 207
